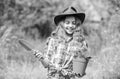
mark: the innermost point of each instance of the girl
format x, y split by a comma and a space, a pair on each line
65, 44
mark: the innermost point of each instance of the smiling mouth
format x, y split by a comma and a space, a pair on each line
70, 29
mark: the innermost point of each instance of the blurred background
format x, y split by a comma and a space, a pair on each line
32, 20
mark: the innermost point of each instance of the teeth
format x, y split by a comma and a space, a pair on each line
69, 28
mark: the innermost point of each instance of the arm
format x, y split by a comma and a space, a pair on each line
37, 53
82, 56
84, 46
83, 49
49, 51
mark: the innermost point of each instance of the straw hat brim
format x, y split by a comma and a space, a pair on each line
61, 17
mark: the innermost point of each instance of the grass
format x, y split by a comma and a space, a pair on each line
25, 71
17, 63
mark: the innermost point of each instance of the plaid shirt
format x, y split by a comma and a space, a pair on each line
61, 50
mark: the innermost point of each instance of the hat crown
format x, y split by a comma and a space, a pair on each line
69, 10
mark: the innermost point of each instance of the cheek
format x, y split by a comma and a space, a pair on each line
74, 26
65, 26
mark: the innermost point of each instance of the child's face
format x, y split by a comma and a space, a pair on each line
69, 25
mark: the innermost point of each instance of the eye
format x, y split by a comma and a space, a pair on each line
67, 22
74, 23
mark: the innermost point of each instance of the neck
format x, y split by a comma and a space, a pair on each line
68, 35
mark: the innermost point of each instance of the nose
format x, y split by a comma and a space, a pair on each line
71, 25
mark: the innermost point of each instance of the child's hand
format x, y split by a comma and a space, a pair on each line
64, 72
79, 75
37, 54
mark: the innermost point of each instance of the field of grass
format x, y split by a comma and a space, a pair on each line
16, 62
29, 20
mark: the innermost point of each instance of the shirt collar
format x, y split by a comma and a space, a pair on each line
66, 39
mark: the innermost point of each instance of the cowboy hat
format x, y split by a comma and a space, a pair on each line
70, 11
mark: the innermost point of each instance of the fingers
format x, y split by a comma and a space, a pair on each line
64, 72
37, 54
79, 75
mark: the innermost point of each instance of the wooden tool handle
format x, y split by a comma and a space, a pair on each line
25, 44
